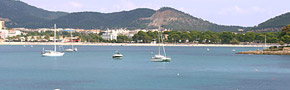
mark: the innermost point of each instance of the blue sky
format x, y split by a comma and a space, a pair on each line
224, 12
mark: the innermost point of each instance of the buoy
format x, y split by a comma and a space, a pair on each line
207, 49
56, 89
234, 50
256, 70
177, 74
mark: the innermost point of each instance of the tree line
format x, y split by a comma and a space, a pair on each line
216, 37
207, 37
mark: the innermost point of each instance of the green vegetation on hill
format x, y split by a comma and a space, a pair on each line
285, 35
273, 24
279, 21
23, 15
178, 20
92, 20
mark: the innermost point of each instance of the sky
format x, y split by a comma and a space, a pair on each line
223, 12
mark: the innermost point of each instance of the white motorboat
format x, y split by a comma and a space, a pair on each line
117, 55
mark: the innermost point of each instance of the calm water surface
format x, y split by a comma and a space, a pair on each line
191, 68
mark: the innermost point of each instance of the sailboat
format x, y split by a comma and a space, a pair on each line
52, 53
159, 57
72, 49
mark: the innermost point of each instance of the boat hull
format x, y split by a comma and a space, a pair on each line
69, 50
160, 59
52, 54
117, 57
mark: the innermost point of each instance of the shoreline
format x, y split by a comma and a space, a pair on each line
266, 52
129, 44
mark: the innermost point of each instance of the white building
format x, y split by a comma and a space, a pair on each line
110, 35
13, 33
113, 34
3, 34
2, 24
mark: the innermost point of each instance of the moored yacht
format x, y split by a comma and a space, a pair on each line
52, 53
72, 49
159, 57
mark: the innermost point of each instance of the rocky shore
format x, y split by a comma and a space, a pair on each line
273, 50
266, 52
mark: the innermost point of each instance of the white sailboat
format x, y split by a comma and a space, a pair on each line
159, 57
52, 53
72, 49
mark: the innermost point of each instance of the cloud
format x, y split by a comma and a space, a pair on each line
75, 4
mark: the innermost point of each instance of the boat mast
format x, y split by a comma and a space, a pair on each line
72, 46
159, 41
265, 41
163, 44
54, 37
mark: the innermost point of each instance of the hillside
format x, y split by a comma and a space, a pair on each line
20, 14
279, 21
273, 24
139, 18
23, 15
177, 20
88, 20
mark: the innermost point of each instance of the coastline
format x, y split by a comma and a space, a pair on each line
266, 52
129, 44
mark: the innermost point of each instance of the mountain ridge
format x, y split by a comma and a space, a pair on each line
21, 14
273, 24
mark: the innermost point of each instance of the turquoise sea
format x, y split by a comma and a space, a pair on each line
191, 68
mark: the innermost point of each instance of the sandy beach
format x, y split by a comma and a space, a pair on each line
129, 44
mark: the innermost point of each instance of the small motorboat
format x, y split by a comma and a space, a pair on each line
117, 55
